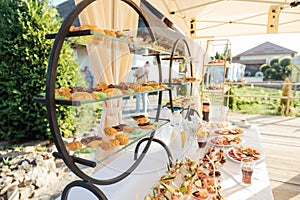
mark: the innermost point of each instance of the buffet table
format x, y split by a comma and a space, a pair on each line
231, 177
138, 184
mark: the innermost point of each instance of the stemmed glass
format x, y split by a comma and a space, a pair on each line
202, 137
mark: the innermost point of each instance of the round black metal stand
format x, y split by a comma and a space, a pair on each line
190, 112
171, 64
170, 158
87, 181
50, 93
89, 186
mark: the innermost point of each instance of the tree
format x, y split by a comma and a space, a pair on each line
264, 67
24, 53
285, 61
274, 61
277, 69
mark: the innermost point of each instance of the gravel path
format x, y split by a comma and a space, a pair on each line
29, 149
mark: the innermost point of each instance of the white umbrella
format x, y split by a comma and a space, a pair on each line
223, 18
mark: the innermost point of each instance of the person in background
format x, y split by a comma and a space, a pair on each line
141, 74
88, 77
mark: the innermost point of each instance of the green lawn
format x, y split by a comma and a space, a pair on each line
260, 103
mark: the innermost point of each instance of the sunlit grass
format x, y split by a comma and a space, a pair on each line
257, 100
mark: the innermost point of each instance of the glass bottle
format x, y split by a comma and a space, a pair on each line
205, 109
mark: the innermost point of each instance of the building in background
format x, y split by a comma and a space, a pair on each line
261, 54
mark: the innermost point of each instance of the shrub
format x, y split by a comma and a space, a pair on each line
24, 53
277, 69
285, 61
264, 67
232, 99
274, 61
269, 73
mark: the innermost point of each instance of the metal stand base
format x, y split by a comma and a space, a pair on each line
170, 158
83, 184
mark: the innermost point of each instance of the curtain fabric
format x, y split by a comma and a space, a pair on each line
110, 60
197, 52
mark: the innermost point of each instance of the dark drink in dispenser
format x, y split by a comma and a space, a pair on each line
202, 144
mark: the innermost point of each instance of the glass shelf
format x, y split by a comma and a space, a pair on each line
71, 34
182, 102
177, 84
58, 101
156, 53
79, 103
124, 39
99, 155
123, 96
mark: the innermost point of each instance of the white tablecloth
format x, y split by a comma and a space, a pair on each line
140, 182
231, 176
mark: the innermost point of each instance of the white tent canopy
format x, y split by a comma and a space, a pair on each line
223, 18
